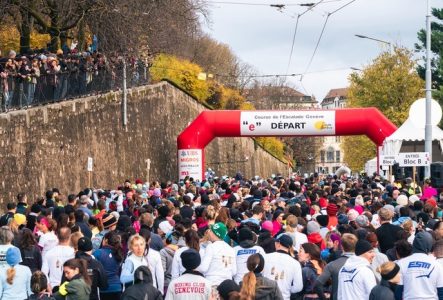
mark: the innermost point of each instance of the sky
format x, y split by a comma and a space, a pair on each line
261, 36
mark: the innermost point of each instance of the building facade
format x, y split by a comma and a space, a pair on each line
330, 157
280, 98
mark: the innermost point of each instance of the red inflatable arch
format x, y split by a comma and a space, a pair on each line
227, 123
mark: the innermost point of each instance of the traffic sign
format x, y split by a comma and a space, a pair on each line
388, 160
411, 159
90, 164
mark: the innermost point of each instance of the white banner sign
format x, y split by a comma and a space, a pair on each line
388, 160
190, 163
287, 123
90, 164
412, 159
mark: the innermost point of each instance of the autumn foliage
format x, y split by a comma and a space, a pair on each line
391, 84
185, 74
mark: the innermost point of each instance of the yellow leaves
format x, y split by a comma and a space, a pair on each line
358, 150
391, 84
273, 145
183, 73
10, 39
38, 40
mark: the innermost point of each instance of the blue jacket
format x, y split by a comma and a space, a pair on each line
112, 268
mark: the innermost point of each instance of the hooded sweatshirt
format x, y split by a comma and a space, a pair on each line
242, 253
421, 274
356, 279
143, 286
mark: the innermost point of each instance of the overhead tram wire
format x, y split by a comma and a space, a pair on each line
272, 5
295, 32
321, 35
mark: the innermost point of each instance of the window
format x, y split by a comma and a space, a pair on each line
330, 154
322, 156
337, 156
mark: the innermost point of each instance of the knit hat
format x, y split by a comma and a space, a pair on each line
432, 202
20, 219
285, 240
267, 225
313, 227
331, 209
342, 219
219, 229
362, 247
362, 220
226, 287
123, 223
390, 207
108, 221
84, 244
277, 213
245, 234
359, 200
352, 215
402, 200
13, 256
323, 220
422, 243
190, 259
413, 198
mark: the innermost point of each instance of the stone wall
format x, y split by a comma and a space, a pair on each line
48, 146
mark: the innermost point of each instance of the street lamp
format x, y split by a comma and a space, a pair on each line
371, 38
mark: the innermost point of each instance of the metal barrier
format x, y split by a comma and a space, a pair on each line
17, 93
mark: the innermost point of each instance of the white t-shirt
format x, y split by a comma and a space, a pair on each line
189, 287
53, 261
218, 263
177, 268
421, 275
286, 271
47, 241
241, 257
298, 239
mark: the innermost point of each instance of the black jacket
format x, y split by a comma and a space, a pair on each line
143, 287
84, 228
383, 291
97, 274
5, 218
32, 257
387, 235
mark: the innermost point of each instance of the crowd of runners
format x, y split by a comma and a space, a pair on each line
321, 237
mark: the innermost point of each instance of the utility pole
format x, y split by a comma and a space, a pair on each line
125, 95
428, 126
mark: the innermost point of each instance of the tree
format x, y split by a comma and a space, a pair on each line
181, 72
391, 84
51, 16
437, 51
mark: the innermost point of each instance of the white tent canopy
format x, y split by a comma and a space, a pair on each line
413, 129
371, 166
